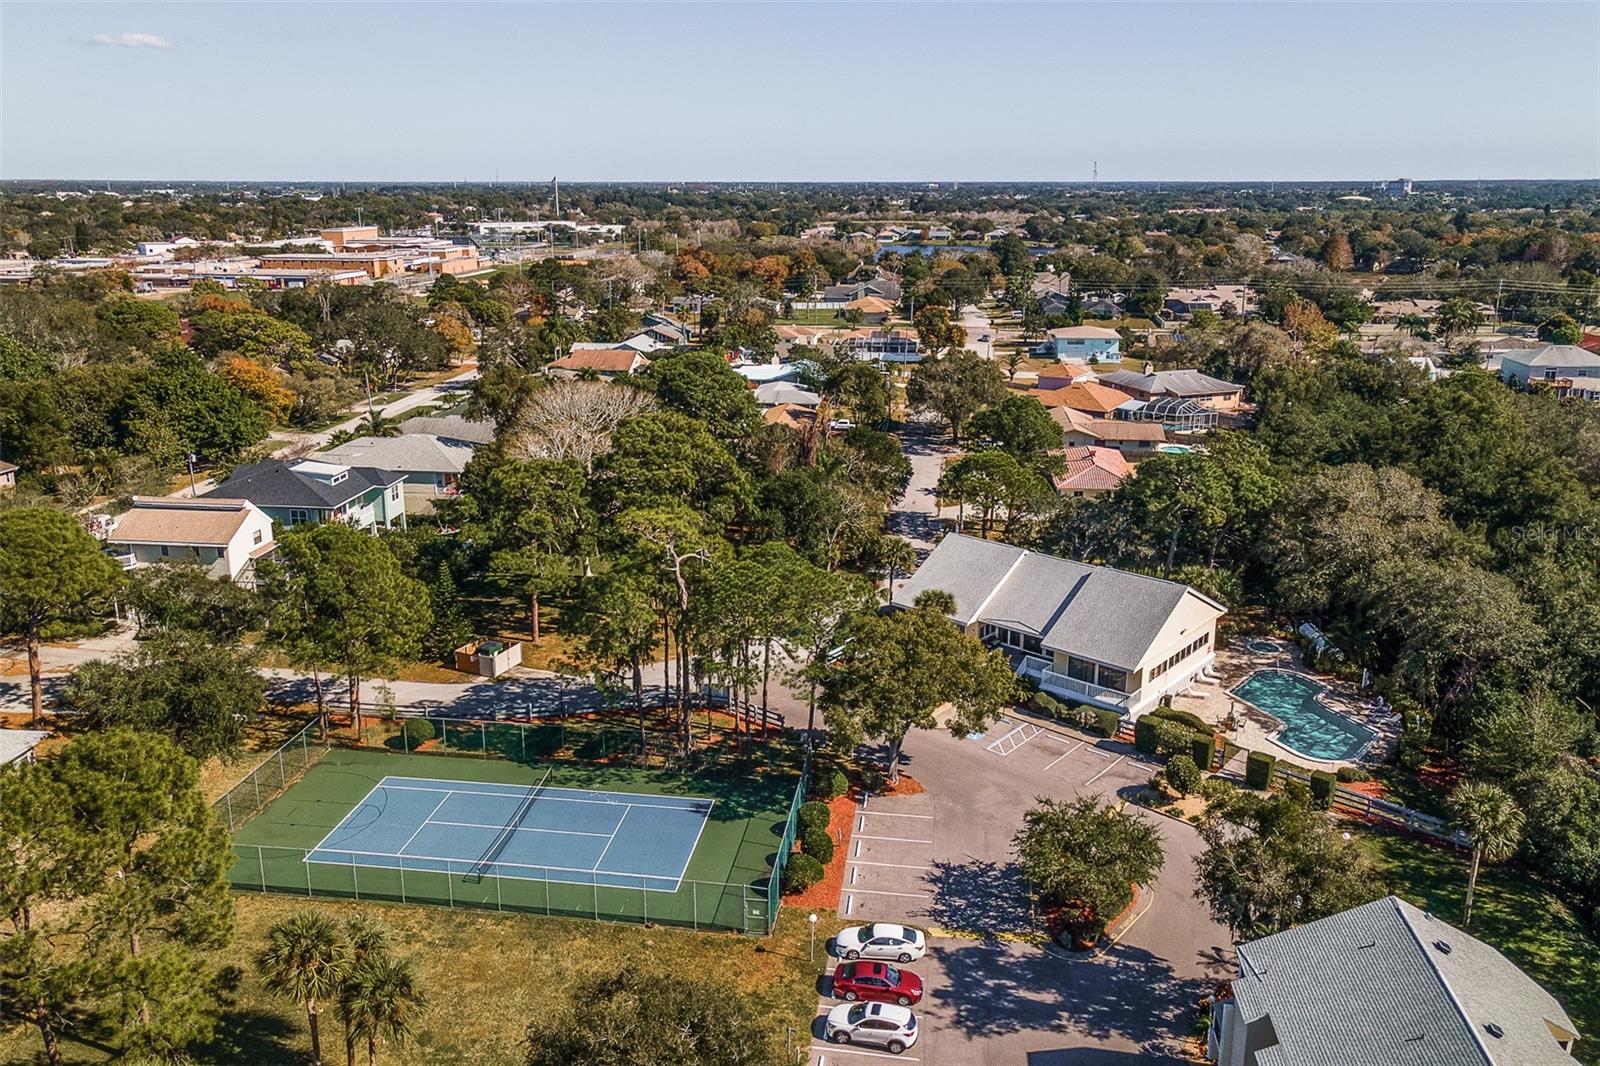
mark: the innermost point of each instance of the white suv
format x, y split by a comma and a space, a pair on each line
882, 1025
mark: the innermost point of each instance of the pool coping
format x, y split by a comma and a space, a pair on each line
1323, 687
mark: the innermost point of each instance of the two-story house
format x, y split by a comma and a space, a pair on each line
430, 465
1092, 634
1084, 343
311, 491
224, 535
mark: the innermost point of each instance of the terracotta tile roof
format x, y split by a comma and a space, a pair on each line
872, 305
1093, 469
1107, 428
792, 415
1084, 396
607, 361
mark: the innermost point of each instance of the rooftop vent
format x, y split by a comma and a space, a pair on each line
1495, 1031
1444, 948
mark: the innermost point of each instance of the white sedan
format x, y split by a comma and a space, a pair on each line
882, 1025
896, 943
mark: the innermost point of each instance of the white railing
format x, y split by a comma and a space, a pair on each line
1106, 697
1033, 666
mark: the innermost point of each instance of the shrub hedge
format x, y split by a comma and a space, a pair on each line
1352, 773
813, 815
829, 783
418, 731
818, 844
1182, 774
1203, 750
1107, 722
1172, 714
1144, 735
1258, 766
801, 872
1322, 785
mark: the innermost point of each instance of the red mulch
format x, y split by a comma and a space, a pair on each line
824, 894
906, 786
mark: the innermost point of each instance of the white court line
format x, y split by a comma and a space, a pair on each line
1064, 754
1105, 771
696, 804
613, 839
897, 840
893, 865
896, 814
846, 1049
519, 829
879, 892
421, 826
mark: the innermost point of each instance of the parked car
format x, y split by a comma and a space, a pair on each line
897, 943
876, 981
877, 1024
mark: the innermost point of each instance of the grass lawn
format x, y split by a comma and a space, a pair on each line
1531, 926
486, 976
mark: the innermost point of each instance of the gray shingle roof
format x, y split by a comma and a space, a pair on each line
1556, 355
1096, 612
273, 484
411, 453
1171, 382
1371, 987
450, 427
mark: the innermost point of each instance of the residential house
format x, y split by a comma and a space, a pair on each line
873, 309
882, 345
776, 393
605, 363
8, 476
224, 535
1103, 305
795, 416
1183, 303
882, 286
309, 491
1193, 385
1066, 372
1092, 471
665, 329
1052, 304
17, 746
1090, 397
1384, 984
430, 466
451, 429
1088, 633
1561, 367
1086, 343
1134, 440
1049, 283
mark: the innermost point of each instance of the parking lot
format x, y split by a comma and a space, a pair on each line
993, 992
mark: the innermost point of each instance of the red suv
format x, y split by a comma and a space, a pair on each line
876, 981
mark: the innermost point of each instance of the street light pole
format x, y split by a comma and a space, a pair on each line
811, 955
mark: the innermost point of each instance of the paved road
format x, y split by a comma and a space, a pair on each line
914, 515
977, 323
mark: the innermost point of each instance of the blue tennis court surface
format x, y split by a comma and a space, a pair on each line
478, 829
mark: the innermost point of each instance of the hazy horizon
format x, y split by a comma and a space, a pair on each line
662, 93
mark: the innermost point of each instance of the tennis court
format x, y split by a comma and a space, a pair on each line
601, 841
580, 836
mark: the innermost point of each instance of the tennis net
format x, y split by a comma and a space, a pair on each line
483, 865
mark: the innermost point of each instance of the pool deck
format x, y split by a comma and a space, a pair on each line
1253, 730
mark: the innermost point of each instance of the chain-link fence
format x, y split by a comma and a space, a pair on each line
271, 776
786, 844
580, 739
465, 884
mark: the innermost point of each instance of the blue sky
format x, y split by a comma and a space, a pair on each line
769, 91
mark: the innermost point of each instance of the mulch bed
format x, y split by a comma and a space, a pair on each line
824, 895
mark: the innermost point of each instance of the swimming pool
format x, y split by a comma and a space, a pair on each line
1309, 727
1264, 647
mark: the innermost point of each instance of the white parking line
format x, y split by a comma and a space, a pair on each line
1008, 743
1107, 770
897, 814
841, 1049
1064, 754
895, 865
897, 840
879, 892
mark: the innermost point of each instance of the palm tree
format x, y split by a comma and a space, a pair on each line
1494, 820
368, 940
305, 959
1456, 316
381, 1001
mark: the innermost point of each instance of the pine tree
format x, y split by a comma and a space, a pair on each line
450, 627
